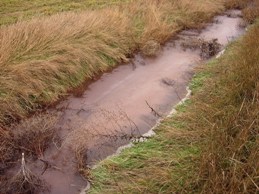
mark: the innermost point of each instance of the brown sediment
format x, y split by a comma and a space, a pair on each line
124, 103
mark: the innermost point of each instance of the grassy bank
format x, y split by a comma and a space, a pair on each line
41, 59
210, 145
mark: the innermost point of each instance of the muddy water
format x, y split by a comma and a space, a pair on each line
119, 105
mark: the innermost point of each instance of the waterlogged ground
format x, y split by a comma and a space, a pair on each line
126, 102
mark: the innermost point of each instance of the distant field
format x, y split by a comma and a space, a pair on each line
14, 10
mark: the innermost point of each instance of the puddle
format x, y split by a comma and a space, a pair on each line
119, 105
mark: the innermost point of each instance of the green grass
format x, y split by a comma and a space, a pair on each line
198, 81
12, 11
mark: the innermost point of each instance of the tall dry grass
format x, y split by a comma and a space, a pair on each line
250, 8
238, 4
251, 12
226, 112
43, 58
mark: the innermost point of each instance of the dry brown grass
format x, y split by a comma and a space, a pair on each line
81, 160
43, 58
250, 8
227, 110
238, 4
251, 12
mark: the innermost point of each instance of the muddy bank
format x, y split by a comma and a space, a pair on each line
125, 103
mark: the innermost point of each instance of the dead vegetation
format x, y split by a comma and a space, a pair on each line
105, 124
251, 12
34, 135
107, 131
24, 182
31, 137
207, 49
238, 4
250, 8
151, 48
81, 158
